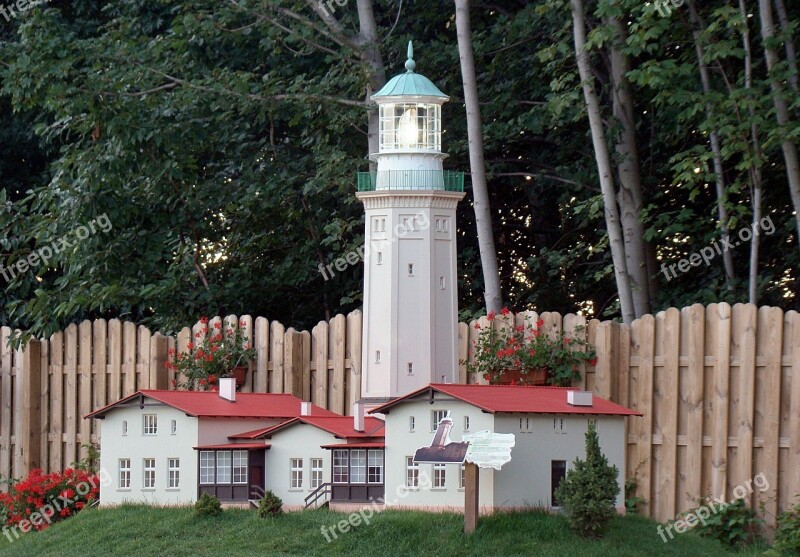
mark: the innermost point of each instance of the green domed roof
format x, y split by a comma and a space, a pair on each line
410, 84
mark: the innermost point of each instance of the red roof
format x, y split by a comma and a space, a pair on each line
240, 446
354, 446
208, 404
518, 399
339, 426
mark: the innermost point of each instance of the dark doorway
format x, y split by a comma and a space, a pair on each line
558, 469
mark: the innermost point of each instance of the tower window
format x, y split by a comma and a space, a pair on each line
377, 356
410, 368
411, 269
441, 283
380, 258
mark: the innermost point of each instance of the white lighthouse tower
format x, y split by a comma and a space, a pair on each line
410, 297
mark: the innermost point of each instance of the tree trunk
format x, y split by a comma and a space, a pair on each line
603, 157
781, 109
716, 149
480, 191
371, 56
755, 167
791, 53
630, 179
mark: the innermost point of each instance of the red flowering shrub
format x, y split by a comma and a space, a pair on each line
41, 499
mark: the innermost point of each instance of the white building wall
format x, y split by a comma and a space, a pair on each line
410, 313
401, 443
136, 446
526, 480
298, 441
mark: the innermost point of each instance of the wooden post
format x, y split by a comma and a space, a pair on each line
471, 502
157, 369
293, 363
31, 408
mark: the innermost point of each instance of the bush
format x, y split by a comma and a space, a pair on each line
589, 490
787, 536
41, 499
733, 525
270, 505
207, 505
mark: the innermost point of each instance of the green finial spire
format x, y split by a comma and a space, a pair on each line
410, 64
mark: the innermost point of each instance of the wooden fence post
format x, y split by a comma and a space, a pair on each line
293, 363
29, 444
159, 374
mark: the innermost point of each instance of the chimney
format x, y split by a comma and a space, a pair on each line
305, 408
227, 388
358, 416
579, 398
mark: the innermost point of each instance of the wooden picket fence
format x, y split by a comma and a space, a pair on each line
719, 387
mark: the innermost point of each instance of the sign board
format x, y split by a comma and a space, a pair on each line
488, 449
442, 449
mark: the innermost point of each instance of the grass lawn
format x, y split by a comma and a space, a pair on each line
176, 532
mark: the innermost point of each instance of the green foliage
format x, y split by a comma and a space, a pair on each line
207, 505
632, 501
787, 536
734, 525
270, 505
589, 490
91, 461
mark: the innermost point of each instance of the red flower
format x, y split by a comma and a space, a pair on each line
567, 340
490, 317
519, 328
593, 362
504, 311
203, 382
171, 352
540, 323
477, 325
174, 383
487, 376
204, 320
198, 335
217, 325
212, 379
190, 346
242, 324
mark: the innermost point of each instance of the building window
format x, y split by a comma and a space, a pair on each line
124, 473
240, 467
436, 417
412, 423
439, 476
380, 258
223, 467
466, 423
173, 427
377, 356
296, 478
526, 425
375, 466
559, 425
412, 472
316, 473
124, 427
174, 473
462, 477
558, 469
149, 466
358, 466
340, 466
207, 467
410, 368
150, 424
411, 269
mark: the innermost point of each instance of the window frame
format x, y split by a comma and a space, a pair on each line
173, 473
336, 460
412, 473
149, 473
377, 465
434, 421
212, 467
240, 468
124, 472
439, 476
317, 468
295, 474
149, 424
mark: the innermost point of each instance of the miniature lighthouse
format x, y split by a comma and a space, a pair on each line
410, 334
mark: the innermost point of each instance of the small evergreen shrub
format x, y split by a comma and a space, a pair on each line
589, 490
734, 525
207, 505
787, 536
270, 505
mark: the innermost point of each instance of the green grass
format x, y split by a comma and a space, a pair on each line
176, 532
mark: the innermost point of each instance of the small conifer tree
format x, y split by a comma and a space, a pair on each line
589, 490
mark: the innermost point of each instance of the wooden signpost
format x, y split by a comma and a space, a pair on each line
486, 450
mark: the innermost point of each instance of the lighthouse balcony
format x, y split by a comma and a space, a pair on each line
446, 180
